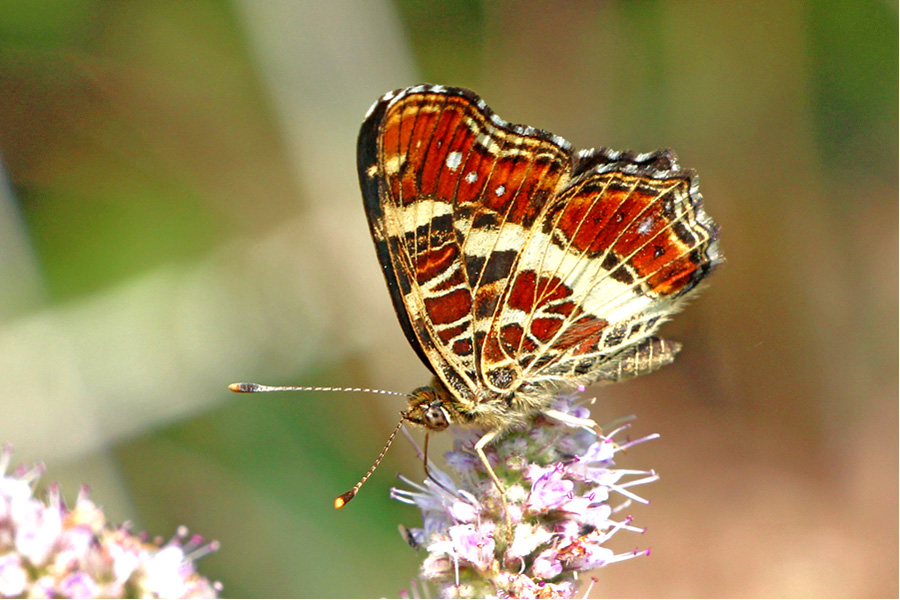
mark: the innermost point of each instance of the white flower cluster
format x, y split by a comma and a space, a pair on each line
559, 480
50, 551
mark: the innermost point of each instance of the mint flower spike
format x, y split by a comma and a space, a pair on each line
48, 550
560, 481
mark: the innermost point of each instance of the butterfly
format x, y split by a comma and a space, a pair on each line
518, 267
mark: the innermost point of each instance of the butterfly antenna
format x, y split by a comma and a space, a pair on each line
346, 497
250, 388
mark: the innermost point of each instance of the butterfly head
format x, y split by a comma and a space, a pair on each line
430, 407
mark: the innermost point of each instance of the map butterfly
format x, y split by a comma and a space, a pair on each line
517, 266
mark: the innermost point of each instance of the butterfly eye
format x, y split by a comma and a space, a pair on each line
435, 417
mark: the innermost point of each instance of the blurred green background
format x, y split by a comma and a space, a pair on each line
180, 210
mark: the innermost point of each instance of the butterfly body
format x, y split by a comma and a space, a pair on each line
517, 267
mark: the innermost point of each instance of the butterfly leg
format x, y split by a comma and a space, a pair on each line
479, 449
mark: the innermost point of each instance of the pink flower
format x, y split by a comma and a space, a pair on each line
50, 551
559, 480
550, 490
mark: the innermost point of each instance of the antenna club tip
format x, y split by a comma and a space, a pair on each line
342, 500
242, 387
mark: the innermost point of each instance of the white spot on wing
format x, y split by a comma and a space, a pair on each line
501, 189
645, 226
454, 159
392, 165
472, 177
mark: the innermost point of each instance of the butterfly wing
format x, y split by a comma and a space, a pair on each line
513, 263
443, 184
613, 255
